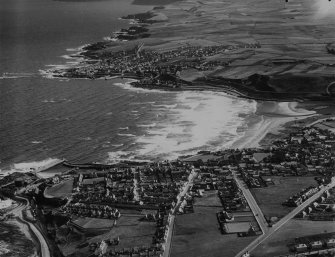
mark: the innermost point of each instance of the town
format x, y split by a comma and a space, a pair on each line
151, 69
133, 209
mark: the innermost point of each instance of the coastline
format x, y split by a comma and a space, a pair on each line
17, 234
226, 65
269, 124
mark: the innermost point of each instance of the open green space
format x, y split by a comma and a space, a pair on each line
209, 198
198, 235
60, 190
270, 198
89, 223
278, 243
131, 231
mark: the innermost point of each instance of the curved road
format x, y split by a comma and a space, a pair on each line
45, 252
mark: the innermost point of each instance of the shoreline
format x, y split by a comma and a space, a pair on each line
209, 73
260, 133
18, 231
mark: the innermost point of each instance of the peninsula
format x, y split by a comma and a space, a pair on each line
234, 49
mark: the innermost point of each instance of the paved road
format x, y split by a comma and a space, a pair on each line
167, 250
10, 183
319, 121
253, 204
284, 220
45, 252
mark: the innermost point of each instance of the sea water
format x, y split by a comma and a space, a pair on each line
43, 119
93, 120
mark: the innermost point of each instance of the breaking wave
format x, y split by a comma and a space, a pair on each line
190, 122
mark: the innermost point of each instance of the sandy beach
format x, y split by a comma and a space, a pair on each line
270, 118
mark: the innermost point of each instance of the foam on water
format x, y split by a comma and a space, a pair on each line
128, 86
72, 60
147, 125
36, 142
117, 156
200, 120
195, 121
117, 145
10, 75
77, 49
126, 135
29, 166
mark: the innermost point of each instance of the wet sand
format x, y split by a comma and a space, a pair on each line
270, 119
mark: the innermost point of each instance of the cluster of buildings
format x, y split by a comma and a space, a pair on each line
220, 178
94, 211
300, 197
108, 188
309, 151
152, 67
306, 245
102, 249
159, 184
323, 209
152, 251
153, 186
164, 188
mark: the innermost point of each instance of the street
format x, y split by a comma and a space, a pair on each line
259, 216
45, 252
167, 250
284, 220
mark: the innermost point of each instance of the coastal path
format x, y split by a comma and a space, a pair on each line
284, 220
45, 252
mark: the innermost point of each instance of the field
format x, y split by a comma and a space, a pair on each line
60, 190
327, 125
198, 235
90, 223
209, 199
270, 198
131, 231
278, 243
296, 46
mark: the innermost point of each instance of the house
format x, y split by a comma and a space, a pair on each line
330, 243
316, 245
300, 248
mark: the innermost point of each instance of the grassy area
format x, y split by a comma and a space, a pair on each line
198, 235
209, 198
278, 243
94, 223
132, 232
62, 189
270, 198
